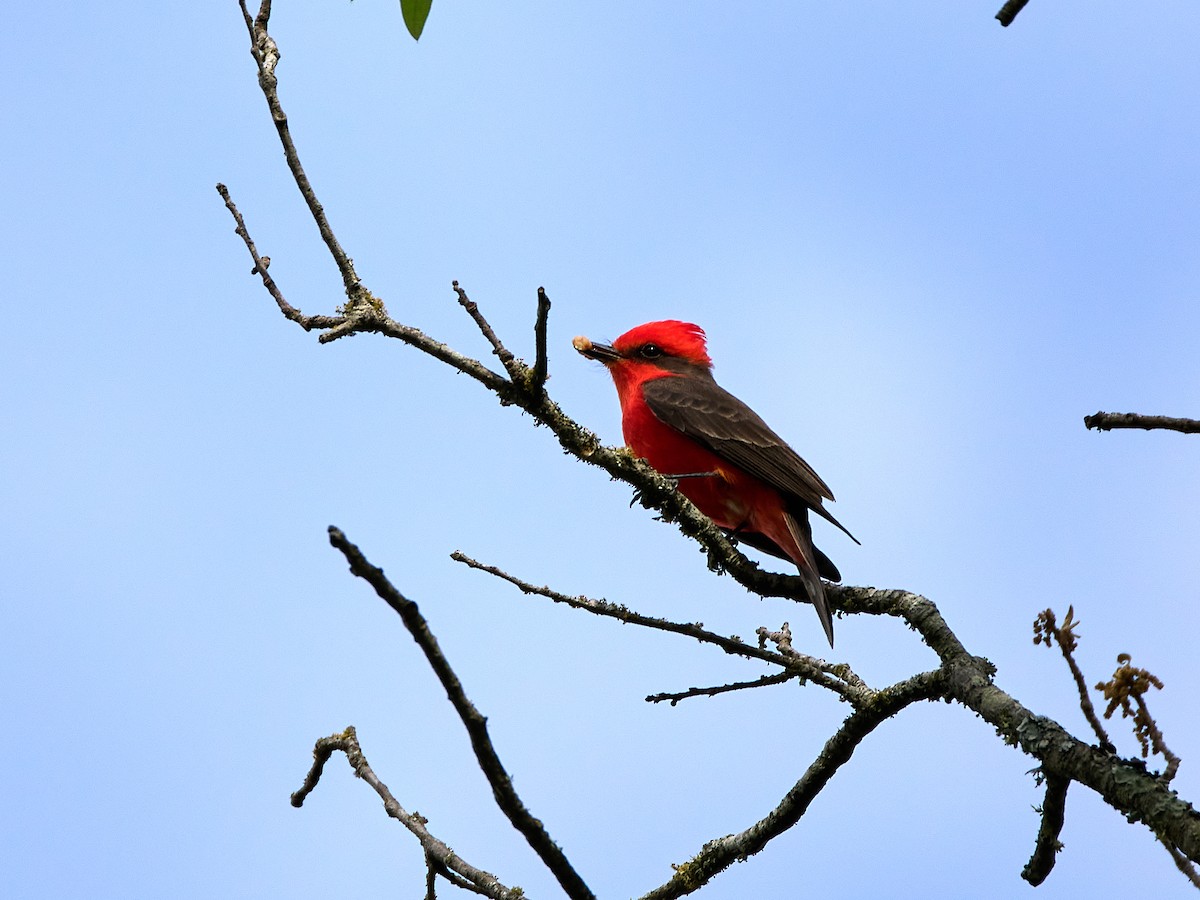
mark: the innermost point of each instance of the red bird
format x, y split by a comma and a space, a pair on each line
728, 462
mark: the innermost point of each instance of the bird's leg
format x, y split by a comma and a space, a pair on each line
732, 533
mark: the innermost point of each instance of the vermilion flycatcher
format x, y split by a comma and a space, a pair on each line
737, 471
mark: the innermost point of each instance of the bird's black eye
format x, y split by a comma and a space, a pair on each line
650, 351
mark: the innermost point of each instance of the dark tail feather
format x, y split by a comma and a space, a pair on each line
828, 517
807, 565
825, 566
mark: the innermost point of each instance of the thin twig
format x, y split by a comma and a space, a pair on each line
1158, 742
493, 769
1105, 421
261, 263
266, 56
1046, 848
414, 337
836, 678
430, 878
511, 364
365, 318
537, 381
674, 698
464, 874
1183, 864
1009, 11
1046, 630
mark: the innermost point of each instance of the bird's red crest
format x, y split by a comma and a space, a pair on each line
676, 338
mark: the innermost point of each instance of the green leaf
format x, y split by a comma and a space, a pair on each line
415, 13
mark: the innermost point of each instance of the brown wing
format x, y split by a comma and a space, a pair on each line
710, 415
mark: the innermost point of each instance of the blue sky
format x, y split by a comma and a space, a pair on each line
923, 246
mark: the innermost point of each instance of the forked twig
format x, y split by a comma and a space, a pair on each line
448, 863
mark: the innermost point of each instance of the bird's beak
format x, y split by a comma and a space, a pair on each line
601, 352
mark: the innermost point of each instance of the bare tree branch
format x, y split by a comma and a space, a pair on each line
368, 318
872, 708
837, 678
266, 55
783, 641
1184, 865
261, 263
365, 313
513, 366
430, 878
1009, 11
541, 362
1105, 421
763, 681
502, 787
1045, 851
454, 867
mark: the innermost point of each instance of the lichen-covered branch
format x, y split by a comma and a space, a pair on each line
1123, 784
